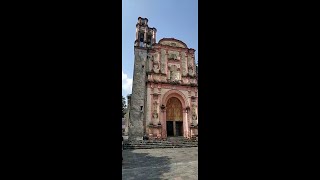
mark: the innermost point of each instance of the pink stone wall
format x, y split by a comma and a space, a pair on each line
160, 88
184, 96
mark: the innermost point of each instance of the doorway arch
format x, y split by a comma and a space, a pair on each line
184, 103
174, 117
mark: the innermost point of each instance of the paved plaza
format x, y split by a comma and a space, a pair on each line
171, 163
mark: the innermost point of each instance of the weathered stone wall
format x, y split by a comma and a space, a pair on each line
127, 115
184, 64
136, 128
148, 107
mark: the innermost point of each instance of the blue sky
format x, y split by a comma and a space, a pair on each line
172, 18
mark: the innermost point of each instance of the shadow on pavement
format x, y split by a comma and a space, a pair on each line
143, 166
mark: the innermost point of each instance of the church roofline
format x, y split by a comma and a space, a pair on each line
173, 39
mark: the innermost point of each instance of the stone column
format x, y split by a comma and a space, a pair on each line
185, 123
197, 115
148, 113
196, 121
163, 123
190, 122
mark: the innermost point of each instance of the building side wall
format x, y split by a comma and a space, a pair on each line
136, 125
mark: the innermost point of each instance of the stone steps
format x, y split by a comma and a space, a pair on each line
156, 147
154, 144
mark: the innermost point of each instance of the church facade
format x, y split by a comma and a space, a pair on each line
164, 99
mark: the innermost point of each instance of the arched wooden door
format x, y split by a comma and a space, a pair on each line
174, 117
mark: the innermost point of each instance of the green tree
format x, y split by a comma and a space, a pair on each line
124, 106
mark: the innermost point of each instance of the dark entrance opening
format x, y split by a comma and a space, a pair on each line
169, 128
179, 128
174, 117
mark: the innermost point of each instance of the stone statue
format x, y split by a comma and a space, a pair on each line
174, 74
155, 110
194, 117
194, 113
156, 64
155, 114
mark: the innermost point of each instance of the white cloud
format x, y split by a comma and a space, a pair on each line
126, 84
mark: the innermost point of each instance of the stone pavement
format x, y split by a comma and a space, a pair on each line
170, 163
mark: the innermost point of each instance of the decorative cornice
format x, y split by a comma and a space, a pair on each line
172, 83
173, 39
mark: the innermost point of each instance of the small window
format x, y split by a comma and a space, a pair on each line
141, 108
141, 37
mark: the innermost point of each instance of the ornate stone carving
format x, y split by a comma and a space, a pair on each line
190, 61
155, 64
175, 76
163, 62
155, 67
189, 91
155, 115
163, 108
173, 55
155, 106
155, 112
156, 78
163, 79
194, 112
193, 82
183, 64
190, 70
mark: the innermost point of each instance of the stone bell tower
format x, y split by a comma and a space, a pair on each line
145, 38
